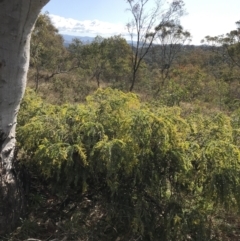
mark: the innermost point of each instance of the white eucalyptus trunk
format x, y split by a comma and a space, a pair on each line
17, 18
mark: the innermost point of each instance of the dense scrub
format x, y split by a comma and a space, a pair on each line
148, 172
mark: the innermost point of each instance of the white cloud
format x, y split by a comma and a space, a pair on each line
87, 27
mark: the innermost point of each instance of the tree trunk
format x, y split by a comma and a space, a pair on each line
17, 18
133, 79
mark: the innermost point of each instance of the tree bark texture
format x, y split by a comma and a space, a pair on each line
17, 18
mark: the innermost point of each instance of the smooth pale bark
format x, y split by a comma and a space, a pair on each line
17, 18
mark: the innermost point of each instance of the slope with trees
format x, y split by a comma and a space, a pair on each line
120, 166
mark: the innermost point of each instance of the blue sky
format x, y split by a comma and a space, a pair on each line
109, 17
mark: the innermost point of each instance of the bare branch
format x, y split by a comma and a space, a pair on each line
143, 28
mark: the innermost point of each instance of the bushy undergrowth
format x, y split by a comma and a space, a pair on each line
158, 175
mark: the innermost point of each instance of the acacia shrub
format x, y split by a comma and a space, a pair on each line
161, 177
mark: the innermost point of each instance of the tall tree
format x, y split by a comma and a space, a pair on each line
17, 19
224, 62
170, 39
117, 54
104, 59
96, 60
145, 25
226, 48
48, 56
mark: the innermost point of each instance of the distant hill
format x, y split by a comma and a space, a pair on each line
85, 39
69, 38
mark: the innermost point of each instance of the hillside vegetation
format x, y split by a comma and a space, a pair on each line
99, 162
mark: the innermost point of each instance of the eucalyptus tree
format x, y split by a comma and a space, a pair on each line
17, 19
226, 49
119, 64
145, 25
170, 39
48, 56
104, 59
224, 63
89, 57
